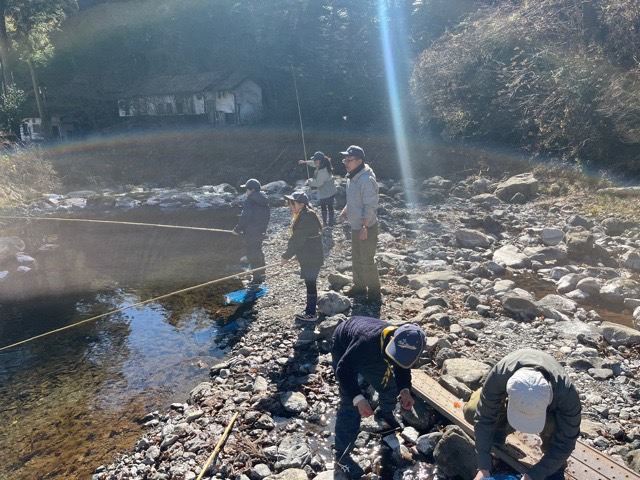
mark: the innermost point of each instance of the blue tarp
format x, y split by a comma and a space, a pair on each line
245, 295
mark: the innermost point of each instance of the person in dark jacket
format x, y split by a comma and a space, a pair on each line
306, 245
383, 355
252, 225
527, 391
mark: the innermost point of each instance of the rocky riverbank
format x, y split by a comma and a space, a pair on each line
484, 267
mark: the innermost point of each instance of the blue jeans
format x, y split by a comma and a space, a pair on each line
348, 418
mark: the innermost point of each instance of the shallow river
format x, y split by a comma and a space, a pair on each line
70, 401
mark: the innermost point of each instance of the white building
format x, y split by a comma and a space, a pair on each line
221, 99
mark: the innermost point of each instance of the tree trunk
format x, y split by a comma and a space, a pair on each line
42, 111
4, 47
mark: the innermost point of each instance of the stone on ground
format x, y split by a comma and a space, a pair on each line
470, 372
332, 303
455, 454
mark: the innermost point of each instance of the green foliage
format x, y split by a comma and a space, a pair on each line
11, 102
539, 75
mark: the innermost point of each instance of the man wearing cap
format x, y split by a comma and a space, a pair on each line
361, 213
383, 355
252, 225
527, 391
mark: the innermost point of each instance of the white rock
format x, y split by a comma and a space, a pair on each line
551, 236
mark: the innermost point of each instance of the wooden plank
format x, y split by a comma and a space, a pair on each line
586, 463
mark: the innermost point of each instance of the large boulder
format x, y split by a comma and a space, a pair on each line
486, 200
470, 372
525, 184
455, 454
557, 302
277, 187
468, 238
551, 236
636, 317
294, 402
579, 245
569, 282
618, 335
332, 303
511, 257
631, 260
615, 226
520, 307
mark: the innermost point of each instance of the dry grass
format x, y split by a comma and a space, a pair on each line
25, 174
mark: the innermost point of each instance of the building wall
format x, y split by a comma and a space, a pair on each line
189, 104
249, 101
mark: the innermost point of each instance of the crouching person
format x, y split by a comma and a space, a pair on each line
527, 391
383, 354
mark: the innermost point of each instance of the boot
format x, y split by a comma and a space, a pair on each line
356, 291
348, 466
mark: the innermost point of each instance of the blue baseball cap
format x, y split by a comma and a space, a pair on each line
406, 345
299, 197
353, 151
252, 184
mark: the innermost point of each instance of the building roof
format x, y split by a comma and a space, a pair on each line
189, 83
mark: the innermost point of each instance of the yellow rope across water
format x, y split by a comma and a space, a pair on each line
144, 302
116, 222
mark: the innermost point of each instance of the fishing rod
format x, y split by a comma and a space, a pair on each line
115, 222
304, 145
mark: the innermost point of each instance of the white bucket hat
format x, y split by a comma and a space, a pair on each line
529, 396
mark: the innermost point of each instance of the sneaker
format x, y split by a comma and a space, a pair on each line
306, 318
349, 467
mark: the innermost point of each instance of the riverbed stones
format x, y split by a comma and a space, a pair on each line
636, 317
557, 302
294, 402
426, 444
10, 246
511, 257
525, 184
338, 281
520, 307
442, 277
631, 260
470, 372
292, 452
289, 474
569, 282
551, 236
579, 245
620, 335
589, 285
332, 303
616, 290
468, 238
455, 454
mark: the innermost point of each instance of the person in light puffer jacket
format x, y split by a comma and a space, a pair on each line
361, 214
323, 181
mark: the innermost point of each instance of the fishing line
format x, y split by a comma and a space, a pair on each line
144, 302
304, 145
116, 222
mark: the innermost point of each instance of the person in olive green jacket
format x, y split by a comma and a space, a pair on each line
527, 391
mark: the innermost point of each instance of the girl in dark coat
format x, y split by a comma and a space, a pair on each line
306, 245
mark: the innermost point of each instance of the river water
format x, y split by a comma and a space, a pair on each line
70, 401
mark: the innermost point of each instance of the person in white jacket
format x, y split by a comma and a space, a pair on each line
323, 181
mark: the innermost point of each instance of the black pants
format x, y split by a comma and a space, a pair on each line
365, 272
328, 214
255, 256
312, 296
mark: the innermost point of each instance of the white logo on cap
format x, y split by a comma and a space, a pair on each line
402, 343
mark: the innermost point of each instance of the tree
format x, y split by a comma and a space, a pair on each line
29, 24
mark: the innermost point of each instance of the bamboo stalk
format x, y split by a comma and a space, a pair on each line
219, 446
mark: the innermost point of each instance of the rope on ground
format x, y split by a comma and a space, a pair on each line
144, 302
116, 222
219, 446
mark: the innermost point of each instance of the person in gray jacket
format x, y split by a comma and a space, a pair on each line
361, 212
323, 181
527, 391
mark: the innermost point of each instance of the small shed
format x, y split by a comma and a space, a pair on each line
218, 98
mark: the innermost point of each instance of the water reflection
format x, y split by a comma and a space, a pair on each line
70, 401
